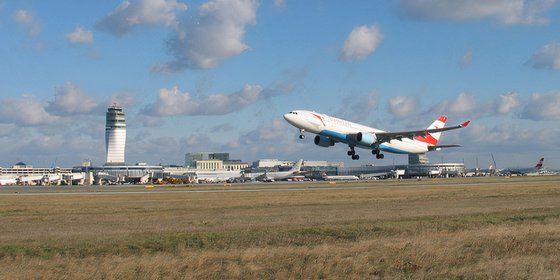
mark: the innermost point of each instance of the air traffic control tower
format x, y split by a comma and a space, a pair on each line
115, 135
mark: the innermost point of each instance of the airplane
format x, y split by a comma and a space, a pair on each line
537, 170
8, 180
339, 177
539, 165
282, 175
331, 130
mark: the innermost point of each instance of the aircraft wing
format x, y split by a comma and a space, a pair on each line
388, 136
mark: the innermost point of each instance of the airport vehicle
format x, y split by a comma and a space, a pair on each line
282, 175
331, 130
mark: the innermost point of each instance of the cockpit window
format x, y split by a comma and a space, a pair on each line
292, 112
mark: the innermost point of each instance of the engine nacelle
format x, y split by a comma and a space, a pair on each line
364, 139
323, 141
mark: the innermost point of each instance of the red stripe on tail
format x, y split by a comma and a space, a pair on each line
427, 139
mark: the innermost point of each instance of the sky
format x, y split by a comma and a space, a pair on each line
218, 75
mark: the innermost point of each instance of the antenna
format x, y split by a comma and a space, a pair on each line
477, 169
494, 161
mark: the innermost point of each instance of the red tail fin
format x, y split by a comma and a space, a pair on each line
433, 138
539, 164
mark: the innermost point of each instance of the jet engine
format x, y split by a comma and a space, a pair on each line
323, 141
364, 139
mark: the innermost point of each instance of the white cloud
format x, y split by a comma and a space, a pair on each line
507, 137
69, 99
80, 36
271, 138
124, 99
466, 60
507, 102
548, 57
464, 104
7, 129
359, 107
542, 107
402, 106
225, 127
503, 11
130, 14
211, 37
173, 102
66, 146
362, 41
279, 3
28, 111
28, 20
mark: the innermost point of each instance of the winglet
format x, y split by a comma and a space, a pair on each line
465, 124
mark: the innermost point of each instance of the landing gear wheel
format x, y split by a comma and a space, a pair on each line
355, 157
351, 153
301, 136
380, 156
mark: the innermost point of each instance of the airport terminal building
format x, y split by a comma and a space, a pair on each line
418, 166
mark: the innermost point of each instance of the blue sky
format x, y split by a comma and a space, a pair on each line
218, 76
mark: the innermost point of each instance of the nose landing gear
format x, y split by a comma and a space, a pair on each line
301, 135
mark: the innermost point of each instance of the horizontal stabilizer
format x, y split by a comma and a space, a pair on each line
437, 148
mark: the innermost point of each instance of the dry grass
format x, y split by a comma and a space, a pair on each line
497, 231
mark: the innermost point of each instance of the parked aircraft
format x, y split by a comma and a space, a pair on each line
538, 169
339, 177
331, 130
282, 175
8, 180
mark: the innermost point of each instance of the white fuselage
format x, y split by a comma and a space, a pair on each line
337, 129
340, 178
281, 175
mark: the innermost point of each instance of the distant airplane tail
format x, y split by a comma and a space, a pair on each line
432, 138
297, 166
540, 164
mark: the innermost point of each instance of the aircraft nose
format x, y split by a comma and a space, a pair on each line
290, 118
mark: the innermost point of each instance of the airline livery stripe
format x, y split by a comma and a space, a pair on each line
319, 117
428, 139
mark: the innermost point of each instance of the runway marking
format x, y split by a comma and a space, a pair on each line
310, 188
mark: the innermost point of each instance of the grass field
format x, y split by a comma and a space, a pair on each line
483, 228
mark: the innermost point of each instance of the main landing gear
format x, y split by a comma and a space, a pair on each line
377, 154
352, 153
354, 156
301, 135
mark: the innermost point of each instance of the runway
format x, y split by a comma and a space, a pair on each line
247, 188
